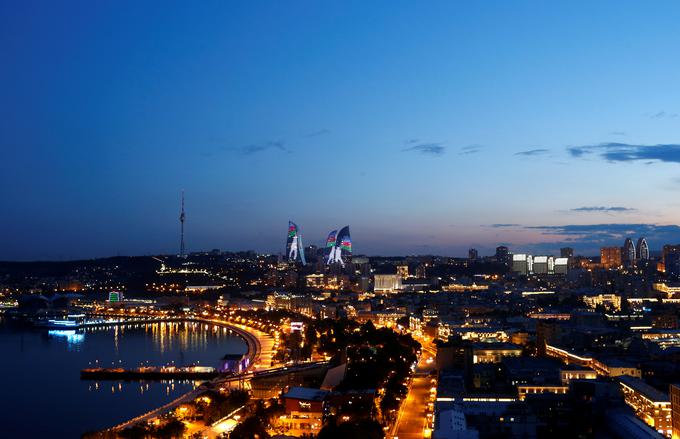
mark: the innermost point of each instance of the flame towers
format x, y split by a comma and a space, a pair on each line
336, 244
294, 249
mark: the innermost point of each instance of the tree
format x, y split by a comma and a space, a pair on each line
250, 428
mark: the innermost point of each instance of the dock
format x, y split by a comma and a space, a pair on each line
151, 373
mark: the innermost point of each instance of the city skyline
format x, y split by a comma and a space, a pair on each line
428, 130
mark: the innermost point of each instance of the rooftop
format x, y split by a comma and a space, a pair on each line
306, 394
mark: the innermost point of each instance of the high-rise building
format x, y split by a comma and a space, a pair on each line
502, 255
472, 254
567, 252
541, 265
294, 248
561, 266
610, 257
642, 249
672, 264
522, 263
668, 257
339, 246
675, 410
628, 252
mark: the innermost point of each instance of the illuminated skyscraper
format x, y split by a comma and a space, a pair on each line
339, 243
294, 248
628, 252
642, 249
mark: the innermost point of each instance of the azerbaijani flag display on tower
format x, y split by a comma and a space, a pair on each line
330, 241
294, 249
344, 240
336, 244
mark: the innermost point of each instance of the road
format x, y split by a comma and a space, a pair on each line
412, 421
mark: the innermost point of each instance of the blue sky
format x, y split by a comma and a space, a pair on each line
420, 125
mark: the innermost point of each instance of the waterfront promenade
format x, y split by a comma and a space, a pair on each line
260, 353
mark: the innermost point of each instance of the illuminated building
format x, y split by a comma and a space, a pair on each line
294, 248
561, 265
610, 257
387, 283
543, 264
315, 280
650, 405
338, 243
402, 271
670, 260
304, 410
575, 373
613, 367
642, 249
494, 352
670, 290
628, 252
611, 301
115, 297
675, 410
388, 319
535, 389
522, 263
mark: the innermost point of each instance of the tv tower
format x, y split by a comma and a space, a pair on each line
181, 220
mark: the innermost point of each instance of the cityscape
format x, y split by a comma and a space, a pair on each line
379, 220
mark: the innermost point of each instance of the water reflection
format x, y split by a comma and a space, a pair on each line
73, 338
91, 405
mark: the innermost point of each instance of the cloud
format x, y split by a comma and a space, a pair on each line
662, 114
503, 225
624, 152
321, 132
263, 147
608, 209
532, 152
590, 237
427, 148
470, 149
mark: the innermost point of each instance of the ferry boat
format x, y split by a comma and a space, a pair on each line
72, 321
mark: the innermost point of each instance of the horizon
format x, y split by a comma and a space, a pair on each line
427, 129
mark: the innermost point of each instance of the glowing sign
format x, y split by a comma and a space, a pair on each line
296, 326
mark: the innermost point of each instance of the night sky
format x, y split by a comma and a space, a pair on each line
427, 127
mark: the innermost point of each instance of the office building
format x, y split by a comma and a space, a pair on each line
473, 255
